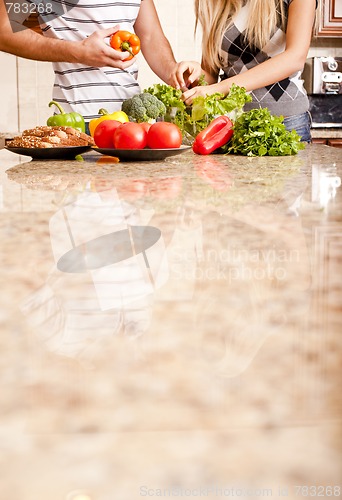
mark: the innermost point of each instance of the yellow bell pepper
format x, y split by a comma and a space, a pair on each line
120, 116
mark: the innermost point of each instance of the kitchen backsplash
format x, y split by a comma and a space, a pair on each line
27, 85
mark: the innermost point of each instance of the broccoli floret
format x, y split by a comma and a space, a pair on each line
153, 105
134, 108
143, 107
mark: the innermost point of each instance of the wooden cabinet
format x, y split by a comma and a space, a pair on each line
336, 143
329, 18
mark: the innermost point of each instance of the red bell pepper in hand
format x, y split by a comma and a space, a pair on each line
214, 136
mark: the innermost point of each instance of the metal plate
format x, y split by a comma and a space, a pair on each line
65, 153
145, 154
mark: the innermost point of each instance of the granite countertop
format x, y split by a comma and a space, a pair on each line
171, 327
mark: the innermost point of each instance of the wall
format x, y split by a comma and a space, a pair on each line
26, 86
9, 93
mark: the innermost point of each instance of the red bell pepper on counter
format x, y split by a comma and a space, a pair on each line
214, 136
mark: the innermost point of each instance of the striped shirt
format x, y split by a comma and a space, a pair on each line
287, 97
87, 89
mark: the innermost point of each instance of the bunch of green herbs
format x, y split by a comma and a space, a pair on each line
258, 133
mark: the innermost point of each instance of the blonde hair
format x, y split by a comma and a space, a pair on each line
215, 16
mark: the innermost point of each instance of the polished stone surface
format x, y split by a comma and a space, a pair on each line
171, 329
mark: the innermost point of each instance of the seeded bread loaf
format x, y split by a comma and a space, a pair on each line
51, 137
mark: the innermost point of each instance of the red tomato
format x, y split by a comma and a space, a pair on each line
103, 134
146, 126
130, 135
164, 135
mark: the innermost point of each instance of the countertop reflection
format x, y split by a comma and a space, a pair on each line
171, 324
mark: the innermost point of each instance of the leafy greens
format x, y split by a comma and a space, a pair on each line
258, 133
193, 119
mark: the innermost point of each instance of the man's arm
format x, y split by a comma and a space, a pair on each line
92, 51
157, 49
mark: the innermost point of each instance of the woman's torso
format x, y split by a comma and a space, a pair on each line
287, 97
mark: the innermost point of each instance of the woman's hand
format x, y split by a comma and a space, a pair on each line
94, 51
185, 74
202, 90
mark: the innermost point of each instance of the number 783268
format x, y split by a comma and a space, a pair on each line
29, 8
318, 491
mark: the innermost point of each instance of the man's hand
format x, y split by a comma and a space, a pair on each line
94, 51
185, 74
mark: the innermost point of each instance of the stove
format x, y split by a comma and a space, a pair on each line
323, 82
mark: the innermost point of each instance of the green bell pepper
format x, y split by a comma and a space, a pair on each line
74, 120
